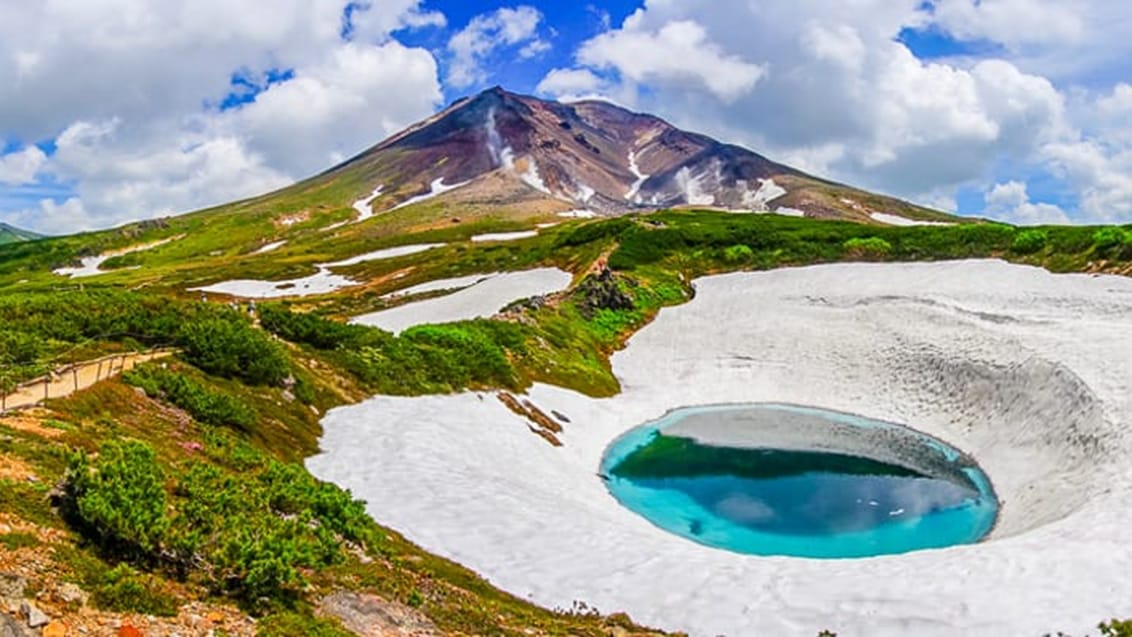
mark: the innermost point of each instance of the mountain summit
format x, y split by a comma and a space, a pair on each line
501, 148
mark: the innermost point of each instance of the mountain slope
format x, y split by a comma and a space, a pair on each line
595, 156
11, 234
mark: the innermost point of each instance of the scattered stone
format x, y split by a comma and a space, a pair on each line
9, 627
560, 416
12, 586
215, 617
69, 593
35, 617
288, 396
372, 616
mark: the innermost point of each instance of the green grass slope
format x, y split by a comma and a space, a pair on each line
12, 234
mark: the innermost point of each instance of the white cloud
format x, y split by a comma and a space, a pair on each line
1013, 23
21, 167
677, 54
571, 83
487, 33
1010, 201
122, 83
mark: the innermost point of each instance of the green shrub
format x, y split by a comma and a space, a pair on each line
1030, 241
1111, 237
232, 348
1116, 628
203, 404
299, 625
738, 254
124, 590
867, 247
250, 535
313, 330
119, 497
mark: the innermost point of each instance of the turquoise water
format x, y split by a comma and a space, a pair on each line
804, 504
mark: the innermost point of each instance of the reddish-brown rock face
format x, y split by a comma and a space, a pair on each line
589, 155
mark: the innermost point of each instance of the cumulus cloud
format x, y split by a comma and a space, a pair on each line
487, 33
122, 85
1010, 201
20, 167
676, 54
1013, 23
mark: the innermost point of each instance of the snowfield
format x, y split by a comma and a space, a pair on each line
1030, 372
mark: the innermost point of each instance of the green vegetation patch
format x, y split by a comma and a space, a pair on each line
249, 535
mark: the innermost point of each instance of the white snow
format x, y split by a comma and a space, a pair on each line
1030, 372
438, 188
483, 298
690, 185
758, 200
322, 282
896, 220
365, 210
454, 283
504, 236
578, 214
270, 247
790, 212
635, 190
92, 266
386, 253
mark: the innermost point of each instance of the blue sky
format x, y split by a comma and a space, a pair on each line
1010, 109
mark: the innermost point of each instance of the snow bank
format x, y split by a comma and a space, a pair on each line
1030, 372
482, 298
270, 247
896, 220
92, 266
322, 282
504, 236
365, 210
438, 188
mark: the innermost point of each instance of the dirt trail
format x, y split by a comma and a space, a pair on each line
78, 377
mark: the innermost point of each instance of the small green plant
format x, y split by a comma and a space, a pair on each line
867, 248
738, 254
293, 624
1030, 241
416, 599
18, 540
124, 590
1116, 628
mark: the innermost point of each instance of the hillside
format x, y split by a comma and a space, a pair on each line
11, 234
172, 497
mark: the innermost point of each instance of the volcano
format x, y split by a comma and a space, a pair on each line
500, 148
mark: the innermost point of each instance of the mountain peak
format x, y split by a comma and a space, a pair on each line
591, 155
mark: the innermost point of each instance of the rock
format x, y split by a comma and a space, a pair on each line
215, 617
288, 396
9, 627
55, 629
372, 616
34, 616
12, 586
129, 631
71, 594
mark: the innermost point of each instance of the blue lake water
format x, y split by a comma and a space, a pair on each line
785, 502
